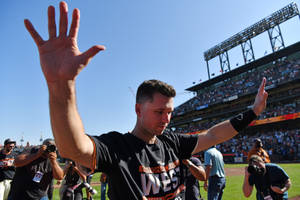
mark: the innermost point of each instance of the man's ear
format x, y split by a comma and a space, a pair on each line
138, 109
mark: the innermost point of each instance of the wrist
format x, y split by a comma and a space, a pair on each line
241, 121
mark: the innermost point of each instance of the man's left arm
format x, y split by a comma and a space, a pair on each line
57, 171
227, 129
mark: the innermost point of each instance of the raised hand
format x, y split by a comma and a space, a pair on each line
261, 98
60, 57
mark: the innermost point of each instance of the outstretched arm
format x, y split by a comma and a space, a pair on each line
224, 130
61, 62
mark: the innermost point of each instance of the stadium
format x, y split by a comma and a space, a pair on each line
234, 90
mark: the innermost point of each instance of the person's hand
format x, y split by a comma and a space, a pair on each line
60, 57
277, 189
42, 150
52, 156
260, 99
205, 186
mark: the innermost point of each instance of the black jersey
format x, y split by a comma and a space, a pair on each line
136, 169
6, 170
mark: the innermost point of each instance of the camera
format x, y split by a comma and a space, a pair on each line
90, 189
253, 169
50, 148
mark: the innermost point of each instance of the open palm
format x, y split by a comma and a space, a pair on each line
59, 56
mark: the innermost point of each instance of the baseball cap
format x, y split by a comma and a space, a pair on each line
9, 141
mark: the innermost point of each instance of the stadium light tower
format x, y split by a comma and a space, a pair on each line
243, 38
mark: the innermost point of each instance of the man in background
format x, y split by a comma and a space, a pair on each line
35, 171
215, 174
7, 168
257, 149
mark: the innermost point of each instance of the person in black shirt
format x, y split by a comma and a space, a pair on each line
141, 164
34, 172
195, 173
7, 168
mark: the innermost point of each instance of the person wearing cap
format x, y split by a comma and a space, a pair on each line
257, 149
35, 170
7, 168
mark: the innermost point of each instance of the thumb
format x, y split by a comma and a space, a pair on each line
91, 52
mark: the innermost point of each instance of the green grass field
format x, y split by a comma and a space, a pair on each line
233, 190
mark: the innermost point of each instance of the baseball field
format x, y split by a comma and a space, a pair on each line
234, 182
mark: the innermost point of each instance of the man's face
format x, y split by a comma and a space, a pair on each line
9, 147
261, 166
154, 116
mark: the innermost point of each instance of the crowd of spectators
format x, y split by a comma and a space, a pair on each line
246, 83
281, 145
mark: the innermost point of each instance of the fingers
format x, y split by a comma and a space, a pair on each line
51, 22
262, 86
75, 24
35, 36
86, 56
63, 22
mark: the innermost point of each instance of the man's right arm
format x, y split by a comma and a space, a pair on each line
247, 188
61, 63
67, 126
26, 158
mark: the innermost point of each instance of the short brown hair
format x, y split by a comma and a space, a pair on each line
148, 88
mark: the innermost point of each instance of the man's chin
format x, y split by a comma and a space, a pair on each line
160, 131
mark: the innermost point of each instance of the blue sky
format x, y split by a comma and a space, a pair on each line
144, 39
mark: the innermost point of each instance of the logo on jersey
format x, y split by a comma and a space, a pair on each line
161, 179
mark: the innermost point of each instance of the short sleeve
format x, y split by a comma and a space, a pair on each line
207, 159
105, 150
186, 144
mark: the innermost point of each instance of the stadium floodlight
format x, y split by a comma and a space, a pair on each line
263, 25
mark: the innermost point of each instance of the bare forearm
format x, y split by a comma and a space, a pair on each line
247, 188
25, 159
198, 172
66, 124
82, 176
215, 135
286, 186
58, 172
